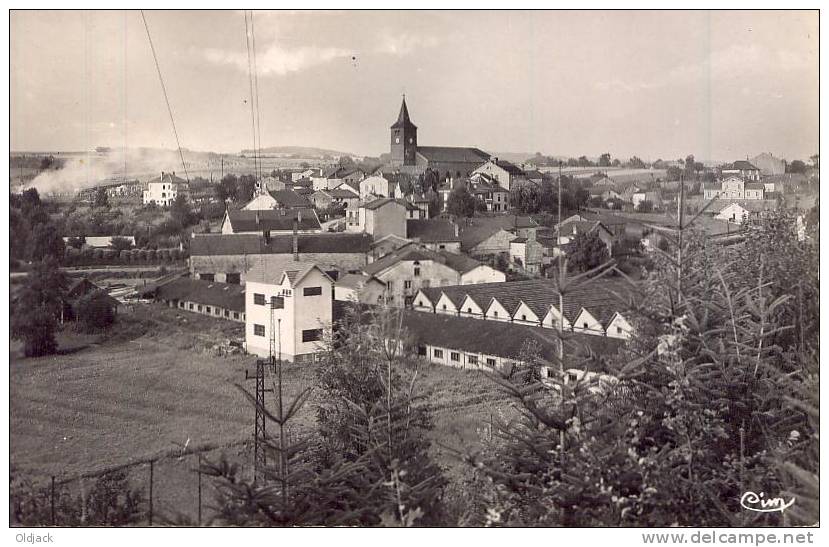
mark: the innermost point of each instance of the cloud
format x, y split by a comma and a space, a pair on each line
278, 60
405, 43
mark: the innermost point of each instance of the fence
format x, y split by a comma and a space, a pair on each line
168, 488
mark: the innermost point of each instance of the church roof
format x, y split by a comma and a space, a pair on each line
452, 154
403, 118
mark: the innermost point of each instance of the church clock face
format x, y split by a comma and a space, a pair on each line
397, 140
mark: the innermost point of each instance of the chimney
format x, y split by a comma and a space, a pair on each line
296, 240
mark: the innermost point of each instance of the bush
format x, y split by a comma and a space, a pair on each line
95, 312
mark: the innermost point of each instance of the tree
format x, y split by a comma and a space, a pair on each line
673, 172
588, 252
815, 159
645, 206
36, 308
245, 188
101, 198
95, 312
181, 212
461, 203
120, 244
636, 163
604, 160
226, 189
797, 166
76, 242
45, 242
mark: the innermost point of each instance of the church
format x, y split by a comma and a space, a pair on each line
408, 157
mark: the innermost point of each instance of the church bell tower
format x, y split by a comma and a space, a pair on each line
403, 138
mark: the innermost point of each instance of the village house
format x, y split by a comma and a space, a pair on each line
407, 269
381, 217
304, 174
292, 306
742, 169
361, 288
493, 196
734, 187
219, 300
378, 186
437, 234
227, 258
501, 170
270, 221
768, 164
570, 230
164, 189
277, 199
342, 195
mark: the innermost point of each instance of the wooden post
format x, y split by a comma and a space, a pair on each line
151, 493
52, 503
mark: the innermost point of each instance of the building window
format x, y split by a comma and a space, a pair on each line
585, 324
389, 286
311, 335
417, 271
191, 305
523, 317
236, 315
439, 353
468, 310
312, 291
421, 350
490, 361
259, 299
618, 330
198, 307
259, 330
207, 309
277, 302
472, 359
444, 306
407, 284
207, 277
233, 278
227, 313
441, 246
454, 356
495, 313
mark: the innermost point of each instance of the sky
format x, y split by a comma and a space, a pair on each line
721, 85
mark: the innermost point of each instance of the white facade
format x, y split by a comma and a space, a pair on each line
161, 193
301, 319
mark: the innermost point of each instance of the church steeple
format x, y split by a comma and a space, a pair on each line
403, 118
403, 138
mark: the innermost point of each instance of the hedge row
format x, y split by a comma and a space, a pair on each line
87, 256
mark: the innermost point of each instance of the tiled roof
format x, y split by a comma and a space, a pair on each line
272, 219
380, 202
340, 193
403, 118
289, 199
355, 281
754, 186
742, 165
168, 178
295, 270
250, 244
223, 295
496, 338
451, 154
458, 262
599, 298
431, 230
509, 167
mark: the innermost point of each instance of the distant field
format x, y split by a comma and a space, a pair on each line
153, 384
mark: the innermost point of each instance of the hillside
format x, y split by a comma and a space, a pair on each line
298, 151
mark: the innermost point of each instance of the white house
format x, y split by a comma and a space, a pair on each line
292, 307
164, 189
502, 171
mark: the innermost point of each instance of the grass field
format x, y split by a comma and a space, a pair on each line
153, 384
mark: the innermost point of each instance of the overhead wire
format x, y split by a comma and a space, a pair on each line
166, 98
252, 102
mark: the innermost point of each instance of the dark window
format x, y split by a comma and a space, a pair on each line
472, 359
259, 299
421, 350
311, 335
417, 271
234, 278
618, 330
198, 307
454, 356
207, 309
407, 284
444, 306
439, 353
236, 315
490, 361
227, 313
259, 330
206, 276
523, 317
277, 302
495, 313
312, 291
468, 310
191, 306
585, 324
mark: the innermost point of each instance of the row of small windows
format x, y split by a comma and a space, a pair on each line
279, 301
309, 335
455, 356
208, 309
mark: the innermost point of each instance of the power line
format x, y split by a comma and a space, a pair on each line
252, 103
256, 89
166, 99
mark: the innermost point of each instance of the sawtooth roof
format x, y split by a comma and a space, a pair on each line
242, 220
251, 244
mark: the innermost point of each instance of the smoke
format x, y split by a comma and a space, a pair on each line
88, 170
